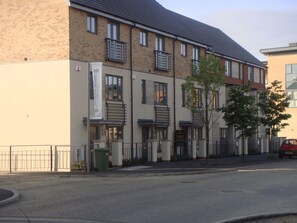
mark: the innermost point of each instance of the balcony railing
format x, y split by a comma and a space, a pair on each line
162, 61
195, 67
116, 51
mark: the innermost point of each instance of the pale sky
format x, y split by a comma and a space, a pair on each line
254, 24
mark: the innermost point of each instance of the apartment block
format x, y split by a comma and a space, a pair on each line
91, 72
282, 66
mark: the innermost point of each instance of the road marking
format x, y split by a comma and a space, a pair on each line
267, 170
135, 168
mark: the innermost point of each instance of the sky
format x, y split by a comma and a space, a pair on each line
253, 24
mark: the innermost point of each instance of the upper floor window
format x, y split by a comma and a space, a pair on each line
250, 73
228, 68
196, 54
113, 31
91, 86
215, 100
114, 88
160, 43
291, 84
91, 24
160, 93
262, 76
240, 72
183, 49
195, 60
143, 38
198, 98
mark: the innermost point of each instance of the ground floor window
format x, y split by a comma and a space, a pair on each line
113, 133
197, 133
161, 133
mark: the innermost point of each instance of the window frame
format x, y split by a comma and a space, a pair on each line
116, 91
291, 75
113, 30
92, 24
196, 53
216, 100
228, 68
251, 73
160, 43
183, 49
160, 89
143, 38
143, 90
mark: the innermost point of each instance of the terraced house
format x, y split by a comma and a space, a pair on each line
79, 72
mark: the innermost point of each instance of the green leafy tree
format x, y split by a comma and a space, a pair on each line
210, 76
273, 103
241, 112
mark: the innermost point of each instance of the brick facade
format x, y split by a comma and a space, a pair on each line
37, 32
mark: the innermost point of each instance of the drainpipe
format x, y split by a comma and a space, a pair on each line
174, 94
131, 85
88, 122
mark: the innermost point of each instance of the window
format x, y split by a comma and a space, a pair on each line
161, 133
215, 101
198, 133
228, 68
143, 90
113, 31
143, 38
113, 133
197, 100
91, 24
240, 72
195, 60
183, 49
262, 76
91, 85
291, 84
160, 93
113, 86
250, 73
223, 133
160, 43
196, 54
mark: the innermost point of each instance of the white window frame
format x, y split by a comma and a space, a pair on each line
91, 24
143, 38
183, 49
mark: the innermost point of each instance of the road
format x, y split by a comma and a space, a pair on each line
210, 197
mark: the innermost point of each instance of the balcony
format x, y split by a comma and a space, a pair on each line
195, 66
162, 61
116, 51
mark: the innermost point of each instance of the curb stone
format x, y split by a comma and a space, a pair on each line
249, 219
15, 197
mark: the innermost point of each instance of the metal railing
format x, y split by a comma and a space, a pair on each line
116, 51
41, 158
136, 153
162, 61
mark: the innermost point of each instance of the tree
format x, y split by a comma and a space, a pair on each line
241, 112
210, 76
273, 103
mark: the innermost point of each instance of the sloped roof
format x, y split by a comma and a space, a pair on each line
151, 14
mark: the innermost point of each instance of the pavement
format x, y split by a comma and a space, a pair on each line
199, 166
